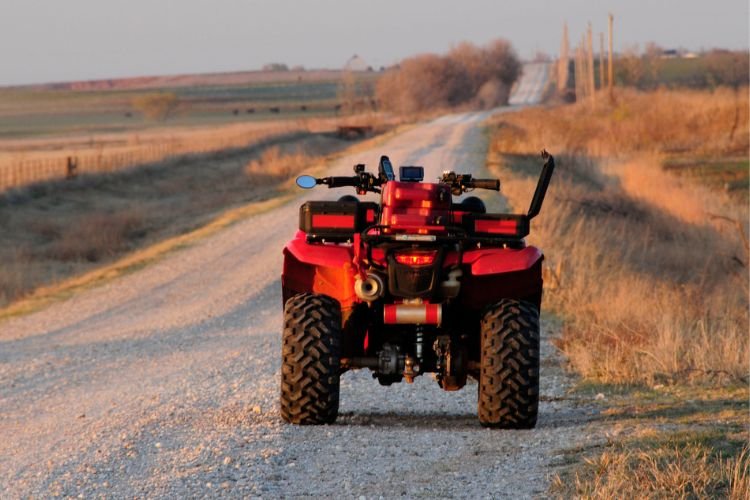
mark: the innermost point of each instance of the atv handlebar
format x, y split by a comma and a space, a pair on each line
363, 182
460, 183
335, 182
493, 184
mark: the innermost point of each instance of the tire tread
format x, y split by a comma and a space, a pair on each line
509, 375
310, 367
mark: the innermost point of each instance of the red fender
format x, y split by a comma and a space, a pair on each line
499, 273
501, 260
323, 269
319, 255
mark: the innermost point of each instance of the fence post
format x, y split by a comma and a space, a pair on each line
71, 167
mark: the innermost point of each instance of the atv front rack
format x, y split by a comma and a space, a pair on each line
339, 222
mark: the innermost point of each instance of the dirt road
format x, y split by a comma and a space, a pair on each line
530, 88
165, 383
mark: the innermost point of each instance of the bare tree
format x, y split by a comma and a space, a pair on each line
630, 66
472, 61
503, 61
652, 64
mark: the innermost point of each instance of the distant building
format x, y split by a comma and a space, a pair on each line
356, 63
677, 54
275, 67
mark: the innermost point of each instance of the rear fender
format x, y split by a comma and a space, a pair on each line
501, 260
318, 268
501, 273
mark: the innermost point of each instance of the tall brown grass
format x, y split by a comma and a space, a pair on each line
668, 472
663, 121
58, 230
275, 165
652, 288
97, 236
31, 160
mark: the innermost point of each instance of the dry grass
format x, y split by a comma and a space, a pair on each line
673, 442
652, 288
651, 291
26, 161
51, 232
688, 471
94, 237
664, 122
29, 160
275, 165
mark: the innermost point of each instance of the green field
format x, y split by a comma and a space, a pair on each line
34, 112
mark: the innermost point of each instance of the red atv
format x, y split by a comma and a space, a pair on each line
417, 283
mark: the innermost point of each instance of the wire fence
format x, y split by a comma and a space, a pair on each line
19, 173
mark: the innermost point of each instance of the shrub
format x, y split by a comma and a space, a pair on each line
156, 106
274, 165
95, 237
466, 75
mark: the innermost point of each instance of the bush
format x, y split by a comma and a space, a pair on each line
97, 236
480, 76
156, 106
275, 165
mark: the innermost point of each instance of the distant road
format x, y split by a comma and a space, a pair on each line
164, 382
532, 85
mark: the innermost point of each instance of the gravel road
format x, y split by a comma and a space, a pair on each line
531, 87
164, 383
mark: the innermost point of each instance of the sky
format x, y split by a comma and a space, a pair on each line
61, 40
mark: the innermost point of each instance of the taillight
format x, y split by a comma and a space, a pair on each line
416, 258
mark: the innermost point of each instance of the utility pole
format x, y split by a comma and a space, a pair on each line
585, 65
610, 69
601, 60
590, 63
578, 72
563, 62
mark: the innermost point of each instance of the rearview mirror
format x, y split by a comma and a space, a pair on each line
306, 181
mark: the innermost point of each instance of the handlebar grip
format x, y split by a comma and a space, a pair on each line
334, 182
493, 184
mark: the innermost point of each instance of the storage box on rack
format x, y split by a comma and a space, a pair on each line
336, 219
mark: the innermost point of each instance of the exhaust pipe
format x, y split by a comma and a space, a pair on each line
413, 314
370, 289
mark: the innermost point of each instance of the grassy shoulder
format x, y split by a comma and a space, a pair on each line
652, 268
650, 277
58, 238
663, 442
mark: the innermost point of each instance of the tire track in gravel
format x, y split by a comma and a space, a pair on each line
165, 381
